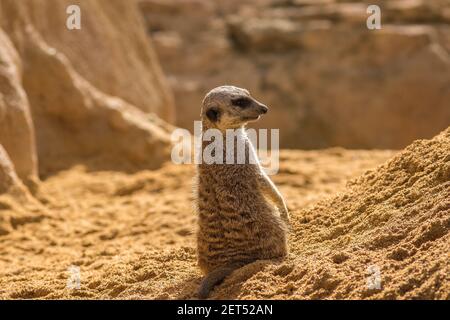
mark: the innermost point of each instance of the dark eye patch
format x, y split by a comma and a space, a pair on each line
241, 102
213, 114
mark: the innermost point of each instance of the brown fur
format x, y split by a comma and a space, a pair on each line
237, 224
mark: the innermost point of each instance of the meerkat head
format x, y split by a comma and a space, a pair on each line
229, 107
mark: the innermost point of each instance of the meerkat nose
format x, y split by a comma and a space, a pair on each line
264, 109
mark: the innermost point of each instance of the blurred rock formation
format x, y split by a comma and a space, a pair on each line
329, 80
92, 96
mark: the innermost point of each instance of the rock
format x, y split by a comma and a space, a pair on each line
91, 96
349, 13
411, 11
77, 123
372, 93
265, 35
8, 176
275, 35
17, 205
16, 126
8, 180
111, 50
328, 80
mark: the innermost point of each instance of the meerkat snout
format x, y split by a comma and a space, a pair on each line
264, 109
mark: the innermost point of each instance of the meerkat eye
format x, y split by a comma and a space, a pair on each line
213, 114
241, 102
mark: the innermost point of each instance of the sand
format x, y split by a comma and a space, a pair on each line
377, 234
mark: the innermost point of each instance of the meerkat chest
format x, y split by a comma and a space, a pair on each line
238, 174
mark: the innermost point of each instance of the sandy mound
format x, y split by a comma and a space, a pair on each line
395, 219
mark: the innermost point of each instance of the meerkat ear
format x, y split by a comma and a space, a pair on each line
213, 114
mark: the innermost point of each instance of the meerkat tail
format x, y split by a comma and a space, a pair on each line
212, 279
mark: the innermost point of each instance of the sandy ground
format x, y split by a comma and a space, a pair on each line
133, 236
364, 225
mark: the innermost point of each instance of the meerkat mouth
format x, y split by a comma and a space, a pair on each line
251, 118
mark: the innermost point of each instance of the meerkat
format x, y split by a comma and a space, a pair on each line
238, 220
